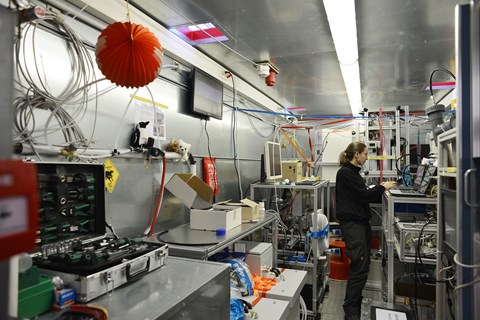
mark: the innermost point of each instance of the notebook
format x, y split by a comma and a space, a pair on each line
422, 180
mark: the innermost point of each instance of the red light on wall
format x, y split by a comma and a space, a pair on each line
296, 109
270, 79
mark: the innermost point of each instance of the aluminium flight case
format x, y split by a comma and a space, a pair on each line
91, 286
71, 237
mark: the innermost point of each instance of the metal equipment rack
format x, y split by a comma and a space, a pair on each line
319, 263
447, 178
392, 129
388, 223
202, 252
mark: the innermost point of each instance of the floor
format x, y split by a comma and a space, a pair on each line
331, 308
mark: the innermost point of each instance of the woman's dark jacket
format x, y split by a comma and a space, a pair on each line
353, 196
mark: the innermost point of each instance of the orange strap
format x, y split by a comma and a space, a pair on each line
296, 148
257, 300
262, 284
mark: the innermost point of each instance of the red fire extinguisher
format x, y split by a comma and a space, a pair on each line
210, 173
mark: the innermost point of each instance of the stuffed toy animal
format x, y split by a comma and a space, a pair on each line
180, 147
172, 146
184, 148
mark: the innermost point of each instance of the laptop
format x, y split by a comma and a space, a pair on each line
422, 180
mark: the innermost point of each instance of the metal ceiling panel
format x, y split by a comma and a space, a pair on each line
400, 43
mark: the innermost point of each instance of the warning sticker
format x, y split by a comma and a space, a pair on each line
111, 175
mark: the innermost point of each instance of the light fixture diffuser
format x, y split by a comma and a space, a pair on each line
343, 26
198, 33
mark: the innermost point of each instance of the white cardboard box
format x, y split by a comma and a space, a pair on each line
191, 190
250, 210
214, 219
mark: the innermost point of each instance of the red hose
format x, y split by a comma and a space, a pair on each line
381, 145
311, 150
159, 199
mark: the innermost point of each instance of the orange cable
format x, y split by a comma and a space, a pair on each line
295, 146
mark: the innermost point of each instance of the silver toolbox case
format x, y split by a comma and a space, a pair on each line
72, 221
91, 286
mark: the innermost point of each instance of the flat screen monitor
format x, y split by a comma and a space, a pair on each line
273, 160
207, 95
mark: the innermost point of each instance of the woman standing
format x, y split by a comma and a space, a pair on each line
353, 212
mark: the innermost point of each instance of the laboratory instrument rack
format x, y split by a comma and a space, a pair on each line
447, 213
388, 224
319, 267
380, 135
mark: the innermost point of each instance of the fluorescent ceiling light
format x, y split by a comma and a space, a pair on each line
199, 33
343, 25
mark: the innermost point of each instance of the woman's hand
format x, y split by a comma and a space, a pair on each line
389, 184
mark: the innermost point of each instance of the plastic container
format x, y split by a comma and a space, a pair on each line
35, 299
28, 278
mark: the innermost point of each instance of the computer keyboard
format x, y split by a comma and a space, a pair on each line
306, 183
403, 188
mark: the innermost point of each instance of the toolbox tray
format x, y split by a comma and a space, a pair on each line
72, 201
71, 237
89, 269
107, 280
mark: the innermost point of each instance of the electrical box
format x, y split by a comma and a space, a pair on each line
257, 254
292, 170
18, 207
407, 236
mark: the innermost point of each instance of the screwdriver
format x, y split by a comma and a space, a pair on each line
81, 206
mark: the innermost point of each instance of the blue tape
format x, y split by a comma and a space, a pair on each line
319, 234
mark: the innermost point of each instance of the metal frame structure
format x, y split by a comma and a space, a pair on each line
316, 189
388, 221
396, 129
443, 172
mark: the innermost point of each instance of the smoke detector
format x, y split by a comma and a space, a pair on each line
267, 70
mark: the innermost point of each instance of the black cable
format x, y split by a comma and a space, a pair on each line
215, 185
234, 129
417, 253
431, 76
450, 303
445, 95
398, 159
320, 156
418, 244
246, 191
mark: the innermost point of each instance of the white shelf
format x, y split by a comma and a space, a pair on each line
383, 128
447, 171
448, 174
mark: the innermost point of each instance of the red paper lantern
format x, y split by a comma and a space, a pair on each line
128, 54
